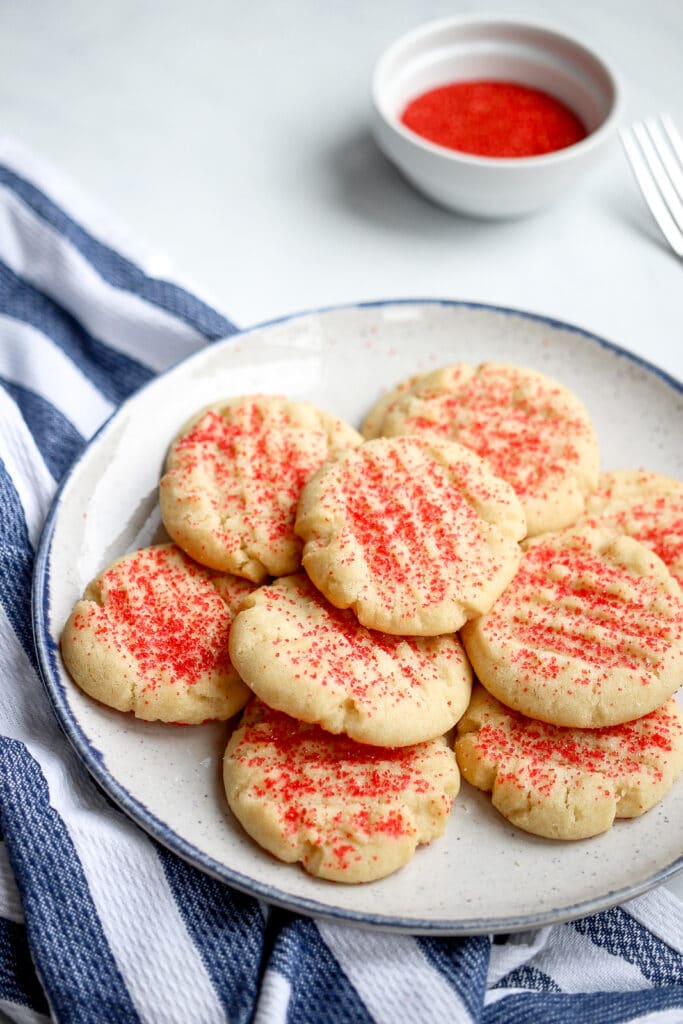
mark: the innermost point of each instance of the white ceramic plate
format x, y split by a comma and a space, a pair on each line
483, 875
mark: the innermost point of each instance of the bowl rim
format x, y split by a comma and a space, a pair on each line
493, 21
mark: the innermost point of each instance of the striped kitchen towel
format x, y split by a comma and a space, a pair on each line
97, 922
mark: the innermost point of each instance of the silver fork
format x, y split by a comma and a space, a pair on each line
655, 151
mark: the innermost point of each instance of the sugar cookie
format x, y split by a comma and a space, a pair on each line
414, 533
535, 433
647, 506
316, 663
150, 635
589, 633
233, 478
568, 783
348, 812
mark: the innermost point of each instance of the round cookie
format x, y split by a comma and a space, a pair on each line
348, 812
414, 534
233, 478
316, 663
568, 783
150, 635
588, 634
535, 433
647, 506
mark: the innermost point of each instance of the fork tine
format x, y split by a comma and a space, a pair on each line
658, 171
650, 191
673, 136
671, 186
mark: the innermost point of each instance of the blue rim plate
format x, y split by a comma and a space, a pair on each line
482, 876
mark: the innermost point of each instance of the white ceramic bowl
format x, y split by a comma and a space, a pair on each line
461, 48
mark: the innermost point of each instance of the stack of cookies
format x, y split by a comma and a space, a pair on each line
328, 574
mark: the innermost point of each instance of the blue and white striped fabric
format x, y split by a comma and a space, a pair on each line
97, 922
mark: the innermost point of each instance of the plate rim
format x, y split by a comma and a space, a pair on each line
136, 810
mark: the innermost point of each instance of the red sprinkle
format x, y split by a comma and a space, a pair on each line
165, 611
414, 521
494, 119
322, 643
634, 621
338, 790
654, 518
249, 462
519, 422
636, 750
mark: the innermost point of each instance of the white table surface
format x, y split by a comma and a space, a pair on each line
234, 137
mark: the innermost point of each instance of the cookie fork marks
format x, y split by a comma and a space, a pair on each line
234, 476
414, 534
347, 812
588, 634
568, 783
318, 664
151, 636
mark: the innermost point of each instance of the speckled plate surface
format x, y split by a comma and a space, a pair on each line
483, 875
